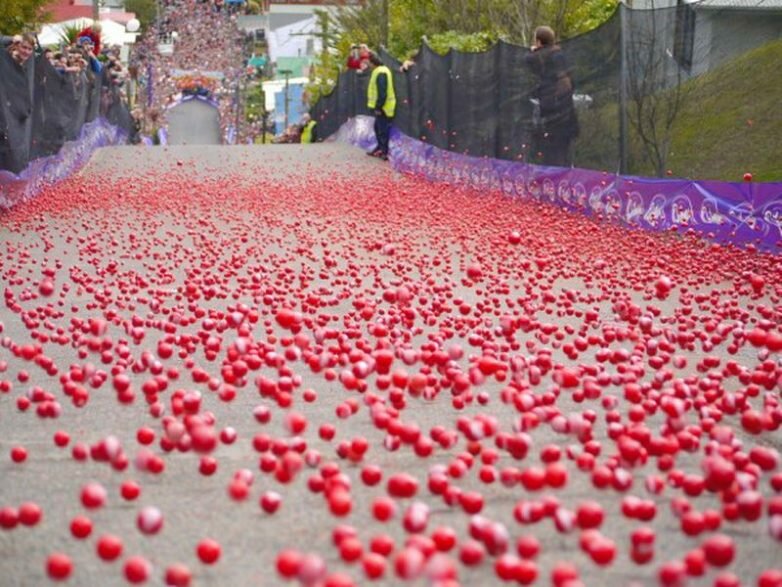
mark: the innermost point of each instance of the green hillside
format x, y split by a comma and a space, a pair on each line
732, 121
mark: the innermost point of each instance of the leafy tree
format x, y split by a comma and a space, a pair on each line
656, 90
466, 42
253, 7
145, 11
70, 33
465, 25
255, 101
16, 16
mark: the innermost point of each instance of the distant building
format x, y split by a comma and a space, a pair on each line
703, 34
66, 10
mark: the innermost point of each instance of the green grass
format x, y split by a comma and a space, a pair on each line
730, 124
732, 121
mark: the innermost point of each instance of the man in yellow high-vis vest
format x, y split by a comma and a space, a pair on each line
308, 132
381, 101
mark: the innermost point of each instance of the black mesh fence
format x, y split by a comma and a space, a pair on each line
634, 79
42, 108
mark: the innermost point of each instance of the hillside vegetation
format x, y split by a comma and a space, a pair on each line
732, 121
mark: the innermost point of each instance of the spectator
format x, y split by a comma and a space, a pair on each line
88, 51
21, 47
408, 63
559, 124
308, 131
292, 134
205, 41
92, 32
16, 73
381, 100
358, 59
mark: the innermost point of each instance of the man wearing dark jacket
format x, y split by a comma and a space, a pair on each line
555, 96
381, 101
17, 72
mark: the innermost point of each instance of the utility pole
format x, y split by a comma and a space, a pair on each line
624, 30
96, 10
287, 73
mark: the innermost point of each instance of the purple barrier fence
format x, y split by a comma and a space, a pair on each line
746, 214
15, 189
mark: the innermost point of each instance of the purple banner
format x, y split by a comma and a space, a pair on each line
746, 214
15, 189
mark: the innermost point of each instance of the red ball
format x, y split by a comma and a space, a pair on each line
59, 566
589, 515
770, 578
9, 518
178, 575
208, 551
527, 546
109, 547
30, 514
81, 527
93, 495
374, 565
137, 569
130, 490
288, 563
270, 501
719, 550
18, 454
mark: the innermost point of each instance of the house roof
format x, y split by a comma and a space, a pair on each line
62, 10
251, 22
740, 4
280, 20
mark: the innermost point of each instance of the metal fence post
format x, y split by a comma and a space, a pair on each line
449, 101
623, 82
498, 71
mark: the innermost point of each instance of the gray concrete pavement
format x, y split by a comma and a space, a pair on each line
180, 244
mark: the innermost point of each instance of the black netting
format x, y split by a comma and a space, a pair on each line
636, 80
41, 108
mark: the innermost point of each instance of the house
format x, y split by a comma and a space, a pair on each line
64, 14
113, 33
703, 34
67, 10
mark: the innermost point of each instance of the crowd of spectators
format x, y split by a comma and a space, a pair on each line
203, 37
50, 92
81, 57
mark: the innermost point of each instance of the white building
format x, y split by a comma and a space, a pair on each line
703, 34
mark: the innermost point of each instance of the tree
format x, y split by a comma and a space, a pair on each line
655, 80
465, 25
17, 16
145, 11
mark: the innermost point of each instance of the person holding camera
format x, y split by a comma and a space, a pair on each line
93, 33
87, 49
358, 59
559, 124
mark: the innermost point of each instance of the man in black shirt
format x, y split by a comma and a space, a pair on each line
555, 96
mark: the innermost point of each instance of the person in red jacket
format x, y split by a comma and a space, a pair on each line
93, 32
358, 58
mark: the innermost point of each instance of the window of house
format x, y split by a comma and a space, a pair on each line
684, 34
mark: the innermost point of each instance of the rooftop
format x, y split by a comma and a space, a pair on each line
740, 4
